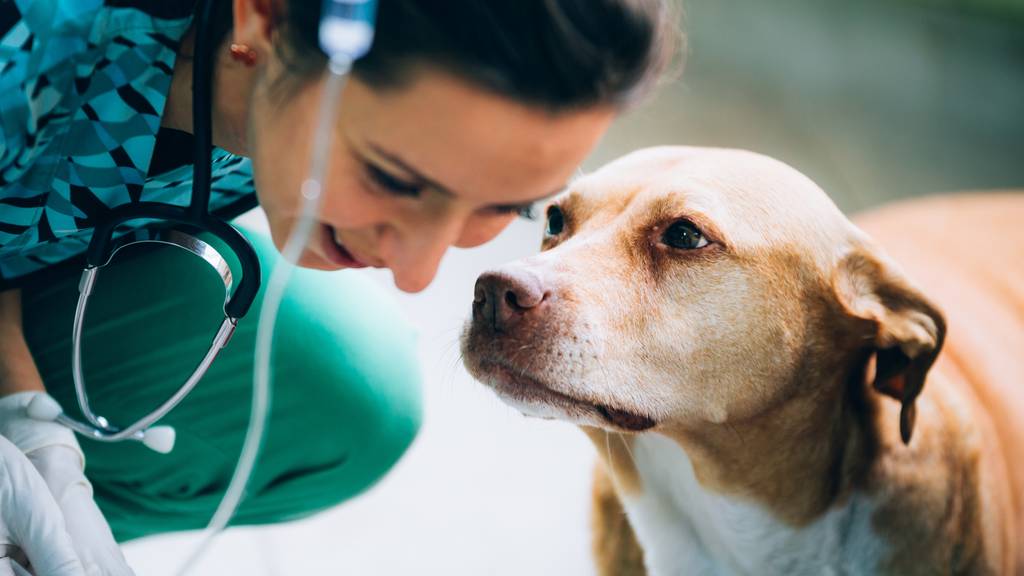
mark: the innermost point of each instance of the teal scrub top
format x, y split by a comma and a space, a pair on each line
83, 85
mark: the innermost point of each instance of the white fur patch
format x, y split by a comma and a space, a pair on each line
685, 529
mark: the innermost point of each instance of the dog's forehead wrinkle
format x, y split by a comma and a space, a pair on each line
753, 201
598, 202
751, 197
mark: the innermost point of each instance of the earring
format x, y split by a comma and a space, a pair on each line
244, 54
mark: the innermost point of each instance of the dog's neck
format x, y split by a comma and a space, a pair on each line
685, 528
795, 460
732, 498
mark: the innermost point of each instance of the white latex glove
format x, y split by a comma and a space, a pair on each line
30, 520
54, 452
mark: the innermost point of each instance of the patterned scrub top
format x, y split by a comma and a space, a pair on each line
83, 85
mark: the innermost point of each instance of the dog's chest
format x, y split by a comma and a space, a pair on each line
685, 529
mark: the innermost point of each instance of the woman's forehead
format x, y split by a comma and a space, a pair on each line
472, 142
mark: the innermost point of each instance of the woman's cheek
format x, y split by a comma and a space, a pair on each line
277, 183
482, 229
349, 203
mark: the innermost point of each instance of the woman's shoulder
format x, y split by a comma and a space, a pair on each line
39, 35
164, 9
77, 13
82, 88
67, 26
62, 58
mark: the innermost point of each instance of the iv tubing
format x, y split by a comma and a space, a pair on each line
338, 68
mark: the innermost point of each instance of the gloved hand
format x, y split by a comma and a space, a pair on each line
57, 459
31, 523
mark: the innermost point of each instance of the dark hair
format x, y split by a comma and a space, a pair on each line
558, 54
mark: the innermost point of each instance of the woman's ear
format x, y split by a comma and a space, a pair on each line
255, 22
905, 330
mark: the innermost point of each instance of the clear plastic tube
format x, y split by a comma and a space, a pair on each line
312, 186
345, 34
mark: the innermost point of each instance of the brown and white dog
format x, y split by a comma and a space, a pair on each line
764, 385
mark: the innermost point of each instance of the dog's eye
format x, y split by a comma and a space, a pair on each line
684, 235
556, 221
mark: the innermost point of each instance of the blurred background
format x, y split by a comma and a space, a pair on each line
875, 100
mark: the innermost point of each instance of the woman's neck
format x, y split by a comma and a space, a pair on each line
233, 85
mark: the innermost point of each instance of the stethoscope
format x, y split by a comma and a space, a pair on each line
194, 217
346, 30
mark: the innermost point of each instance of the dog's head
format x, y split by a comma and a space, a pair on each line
684, 286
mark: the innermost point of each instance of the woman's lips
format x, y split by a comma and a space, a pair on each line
337, 253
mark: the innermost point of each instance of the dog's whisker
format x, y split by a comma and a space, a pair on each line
452, 347
736, 433
611, 462
525, 347
455, 369
452, 365
629, 450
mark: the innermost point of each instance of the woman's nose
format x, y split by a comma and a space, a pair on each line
414, 253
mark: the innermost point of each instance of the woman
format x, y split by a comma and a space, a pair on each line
462, 116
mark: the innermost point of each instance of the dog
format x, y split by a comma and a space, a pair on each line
768, 391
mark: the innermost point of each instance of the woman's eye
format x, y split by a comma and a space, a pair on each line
392, 184
684, 235
527, 212
556, 221
524, 211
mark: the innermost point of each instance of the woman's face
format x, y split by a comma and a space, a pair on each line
412, 170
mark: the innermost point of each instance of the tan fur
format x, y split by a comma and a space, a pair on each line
616, 453
790, 357
978, 281
616, 551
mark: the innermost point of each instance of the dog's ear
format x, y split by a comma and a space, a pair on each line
904, 329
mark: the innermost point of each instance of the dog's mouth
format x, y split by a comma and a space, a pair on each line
532, 395
625, 419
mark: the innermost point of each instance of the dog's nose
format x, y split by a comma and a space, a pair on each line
503, 297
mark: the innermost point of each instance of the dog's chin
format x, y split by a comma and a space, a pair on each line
536, 398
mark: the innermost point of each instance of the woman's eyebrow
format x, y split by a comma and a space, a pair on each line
409, 168
432, 183
538, 200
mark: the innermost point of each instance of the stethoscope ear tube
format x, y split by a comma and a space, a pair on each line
202, 115
239, 302
158, 438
